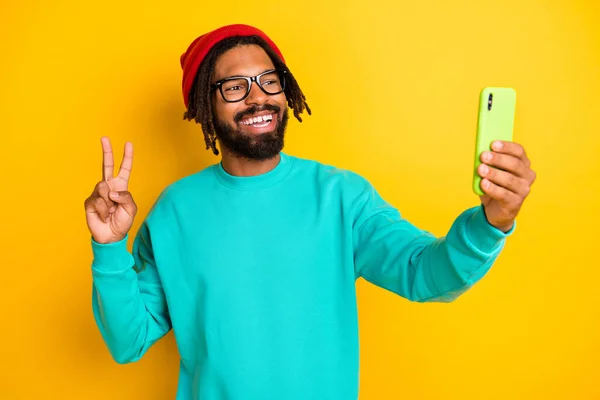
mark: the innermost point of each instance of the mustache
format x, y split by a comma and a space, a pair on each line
254, 109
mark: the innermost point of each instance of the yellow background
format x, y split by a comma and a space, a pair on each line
394, 88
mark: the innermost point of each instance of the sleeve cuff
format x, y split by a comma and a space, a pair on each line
111, 257
483, 235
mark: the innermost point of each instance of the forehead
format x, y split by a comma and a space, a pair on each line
247, 60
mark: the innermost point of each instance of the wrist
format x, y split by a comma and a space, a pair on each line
504, 227
107, 240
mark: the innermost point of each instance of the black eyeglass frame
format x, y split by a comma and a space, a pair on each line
250, 80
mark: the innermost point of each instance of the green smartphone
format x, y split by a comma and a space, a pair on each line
495, 122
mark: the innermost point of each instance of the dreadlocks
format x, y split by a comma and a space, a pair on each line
200, 107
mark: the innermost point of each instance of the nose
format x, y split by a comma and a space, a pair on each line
256, 95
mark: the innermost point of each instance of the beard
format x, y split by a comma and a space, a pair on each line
259, 147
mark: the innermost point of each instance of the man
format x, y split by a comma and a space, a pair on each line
253, 261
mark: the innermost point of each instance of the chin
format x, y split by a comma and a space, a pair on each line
259, 140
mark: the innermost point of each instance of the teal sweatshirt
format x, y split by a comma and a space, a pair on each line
256, 277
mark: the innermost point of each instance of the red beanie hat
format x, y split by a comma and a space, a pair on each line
199, 48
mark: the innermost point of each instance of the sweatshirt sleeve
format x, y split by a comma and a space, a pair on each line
128, 300
392, 253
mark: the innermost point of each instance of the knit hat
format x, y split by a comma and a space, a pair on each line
199, 48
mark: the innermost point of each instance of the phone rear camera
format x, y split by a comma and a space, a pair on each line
490, 100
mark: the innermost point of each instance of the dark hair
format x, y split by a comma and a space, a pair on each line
199, 105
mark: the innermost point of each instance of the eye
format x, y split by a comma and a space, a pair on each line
235, 85
233, 88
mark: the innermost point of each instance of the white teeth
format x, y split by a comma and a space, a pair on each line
258, 120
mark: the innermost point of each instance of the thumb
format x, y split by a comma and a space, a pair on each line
124, 199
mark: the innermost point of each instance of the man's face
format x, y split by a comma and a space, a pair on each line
237, 125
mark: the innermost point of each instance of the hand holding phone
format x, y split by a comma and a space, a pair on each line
507, 174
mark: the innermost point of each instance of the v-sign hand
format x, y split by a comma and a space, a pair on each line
110, 209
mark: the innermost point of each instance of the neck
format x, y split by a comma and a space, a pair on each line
240, 166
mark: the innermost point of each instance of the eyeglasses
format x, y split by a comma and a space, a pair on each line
237, 88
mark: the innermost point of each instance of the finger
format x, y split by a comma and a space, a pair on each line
107, 159
504, 179
127, 163
499, 193
102, 191
102, 208
505, 162
124, 199
97, 205
511, 148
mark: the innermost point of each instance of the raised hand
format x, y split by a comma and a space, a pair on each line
110, 209
507, 179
